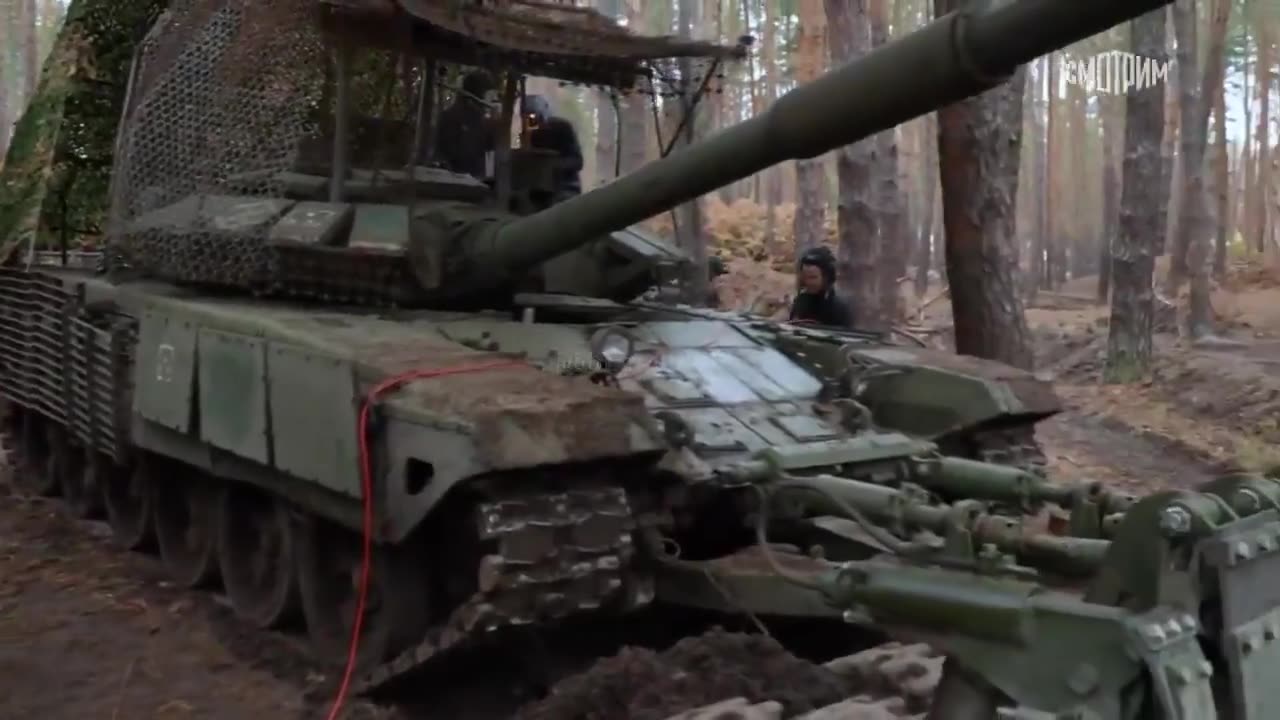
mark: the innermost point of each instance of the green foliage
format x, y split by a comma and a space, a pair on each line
1240, 48
59, 164
24, 179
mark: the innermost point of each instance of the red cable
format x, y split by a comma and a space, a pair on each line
366, 490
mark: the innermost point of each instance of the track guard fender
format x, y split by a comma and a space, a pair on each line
935, 394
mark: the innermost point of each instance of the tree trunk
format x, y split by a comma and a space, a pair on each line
1198, 225
1221, 174
849, 37
756, 95
607, 165
811, 174
1113, 141
894, 245
606, 117
1187, 108
1247, 169
939, 236
1194, 226
1170, 192
1261, 139
979, 143
1195, 94
6, 82
924, 243
689, 228
772, 176
1133, 254
1040, 185
636, 109
1049, 188
1274, 196
1073, 258
30, 48
1240, 194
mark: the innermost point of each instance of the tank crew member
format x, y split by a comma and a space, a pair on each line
466, 129
554, 133
817, 300
715, 268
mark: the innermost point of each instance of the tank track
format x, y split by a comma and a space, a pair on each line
557, 554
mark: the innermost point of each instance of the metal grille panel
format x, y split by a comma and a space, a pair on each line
63, 361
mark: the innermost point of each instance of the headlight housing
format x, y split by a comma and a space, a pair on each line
612, 347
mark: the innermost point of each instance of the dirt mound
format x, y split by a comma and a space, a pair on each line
1251, 275
897, 678
76, 611
729, 676
639, 684
897, 682
1234, 389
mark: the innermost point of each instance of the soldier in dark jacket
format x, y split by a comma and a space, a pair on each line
715, 268
817, 301
554, 133
466, 130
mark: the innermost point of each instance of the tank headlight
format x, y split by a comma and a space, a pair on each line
612, 347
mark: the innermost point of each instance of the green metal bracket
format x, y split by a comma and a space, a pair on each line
1181, 676
1243, 560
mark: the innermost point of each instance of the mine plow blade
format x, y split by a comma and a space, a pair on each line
1179, 615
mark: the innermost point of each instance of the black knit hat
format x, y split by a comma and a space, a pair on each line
822, 258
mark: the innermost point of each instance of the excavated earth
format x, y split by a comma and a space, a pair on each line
728, 676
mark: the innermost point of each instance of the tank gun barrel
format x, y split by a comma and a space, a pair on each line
953, 58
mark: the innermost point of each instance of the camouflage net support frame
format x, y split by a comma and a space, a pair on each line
226, 89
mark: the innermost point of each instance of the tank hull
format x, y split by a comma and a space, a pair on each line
490, 451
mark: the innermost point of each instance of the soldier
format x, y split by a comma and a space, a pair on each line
466, 127
715, 268
817, 301
554, 133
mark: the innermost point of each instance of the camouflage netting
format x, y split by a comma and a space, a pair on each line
230, 95
54, 183
224, 93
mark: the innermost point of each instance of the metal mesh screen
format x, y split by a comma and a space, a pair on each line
229, 96
224, 93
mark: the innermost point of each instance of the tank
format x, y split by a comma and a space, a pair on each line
289, 379
341, 225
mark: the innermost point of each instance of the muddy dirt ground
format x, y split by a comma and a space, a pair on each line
88, 632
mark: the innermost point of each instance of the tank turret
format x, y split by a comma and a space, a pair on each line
425, 237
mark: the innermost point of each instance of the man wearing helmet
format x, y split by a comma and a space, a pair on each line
817, 301
552, 132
